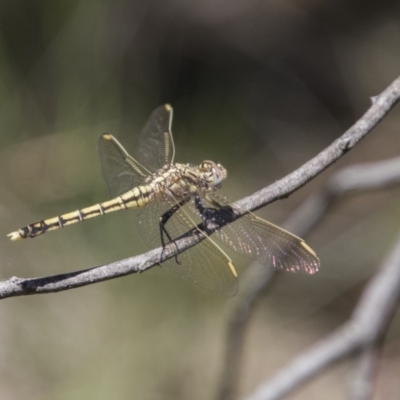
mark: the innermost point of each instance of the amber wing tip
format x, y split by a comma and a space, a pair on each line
106, 136
14, 236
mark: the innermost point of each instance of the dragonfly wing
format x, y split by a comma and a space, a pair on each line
203, 265
121, 171
209, 270
269, 244
155, 149
156, 145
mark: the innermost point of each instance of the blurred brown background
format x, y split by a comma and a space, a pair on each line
259, 86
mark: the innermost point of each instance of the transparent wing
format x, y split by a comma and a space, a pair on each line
203, 265
269, 244
156, 145
120, 171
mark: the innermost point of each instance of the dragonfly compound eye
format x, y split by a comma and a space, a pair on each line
219, 174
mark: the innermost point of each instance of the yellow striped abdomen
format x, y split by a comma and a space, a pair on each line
137, 197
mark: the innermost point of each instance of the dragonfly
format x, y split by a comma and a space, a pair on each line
182, 200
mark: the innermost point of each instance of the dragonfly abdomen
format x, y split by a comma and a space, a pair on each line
137, 197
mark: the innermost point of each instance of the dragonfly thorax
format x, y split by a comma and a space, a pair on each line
184, 180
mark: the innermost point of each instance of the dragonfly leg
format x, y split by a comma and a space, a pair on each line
163, 230
215, 216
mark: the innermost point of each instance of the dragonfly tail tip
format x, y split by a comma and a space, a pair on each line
14, 236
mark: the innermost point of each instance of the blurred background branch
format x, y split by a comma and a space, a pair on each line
349, 180
357, 178
362, 382
360, 178
367, 326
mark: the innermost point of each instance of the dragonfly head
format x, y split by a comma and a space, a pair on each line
214, 173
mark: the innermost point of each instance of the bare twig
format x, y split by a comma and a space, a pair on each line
282, 188
366, 327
